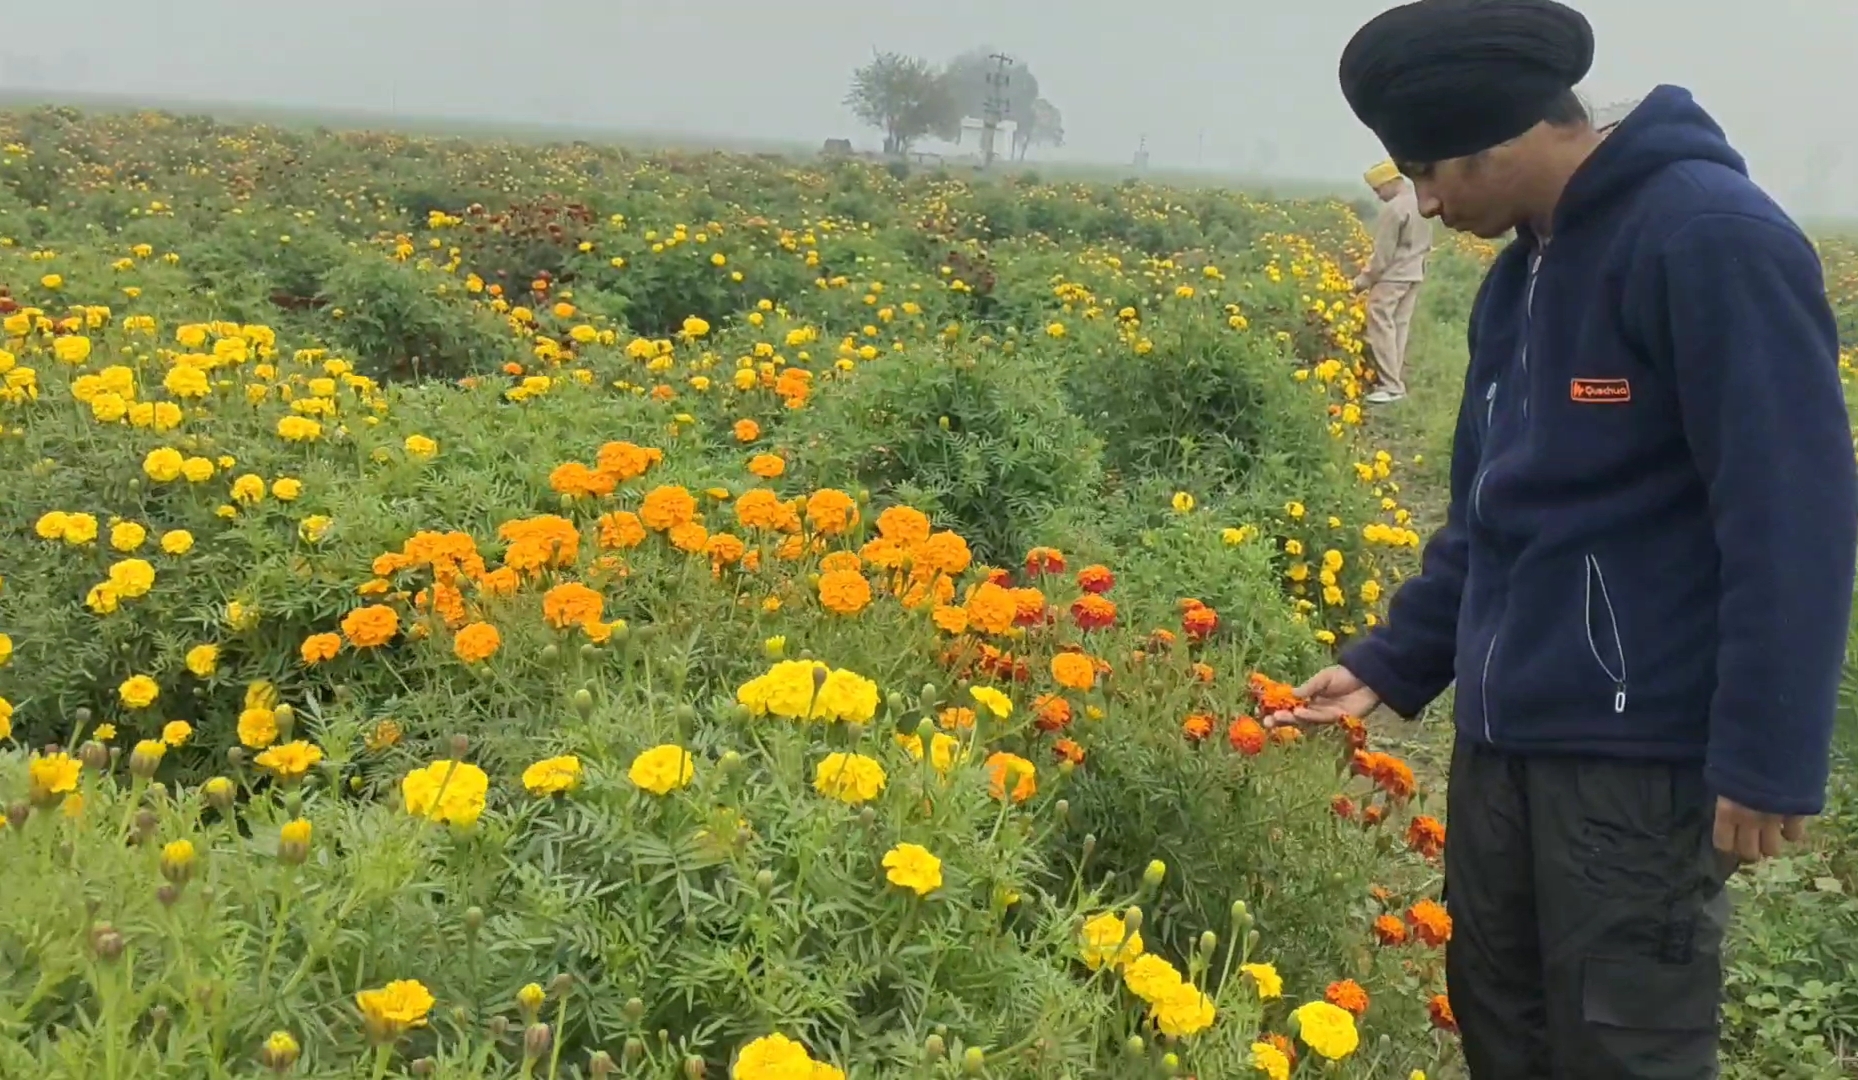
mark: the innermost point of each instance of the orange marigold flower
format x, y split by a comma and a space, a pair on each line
955, 718
1431, 923
1093, 612
1286, 1046
1247, 736
1095, 579
950, 619
1439, 1008
831, 512
841, 560
1347, 994
371, 626
1197, 727
903, 525
1371, 816
690, 537
571, 604
1272, 696
1356, 732
1389, 930
767, 466
1285, 735
747, 430
320, 647
1068, 750
1343, 806
1044, 560
991, 609
540, 542
1009, 775
575, 479
1051, 712
621, 529
1073, 671
476, 642
1200, 622
844, 592
761, 508
725, 550
1161, 640
1426, 835
502, 581
666, 507
1029, 607
623, 461
1202, 672
945, 552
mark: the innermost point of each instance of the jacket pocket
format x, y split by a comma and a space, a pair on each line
1604, 641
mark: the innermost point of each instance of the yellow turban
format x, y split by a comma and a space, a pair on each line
1383, 173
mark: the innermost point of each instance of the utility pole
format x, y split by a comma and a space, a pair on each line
994, 109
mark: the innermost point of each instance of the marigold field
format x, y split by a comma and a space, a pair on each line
500, 610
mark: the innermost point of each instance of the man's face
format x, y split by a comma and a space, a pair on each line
1477, 194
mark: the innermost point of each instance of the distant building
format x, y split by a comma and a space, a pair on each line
837, 148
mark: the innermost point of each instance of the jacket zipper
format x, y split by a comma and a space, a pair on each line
1490, 396
1483, 686
1594, 573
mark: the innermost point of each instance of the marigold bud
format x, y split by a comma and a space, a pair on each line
560, 985
935, 1048
94, 755
286, 718
600, 1066
536, 1041
293, 842
764, 881
107, 943
973, 1060
694, 1068
168, 894
730, 762
235, 756
633, 1050
550, 654
424, 1067
1156, 870
17, 813
461, 745
583, 702
499, 1026
635, 1009
1209, 941
146, 758
529, 999
1135, 1046
473, 919
589, 651
177, 861
279, 1052
1132, 919
82, 715
1171, 1063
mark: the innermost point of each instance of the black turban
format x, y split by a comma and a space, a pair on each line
1440, 79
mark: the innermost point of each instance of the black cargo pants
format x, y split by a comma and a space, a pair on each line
1588, 910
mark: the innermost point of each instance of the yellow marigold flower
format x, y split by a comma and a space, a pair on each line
127, 536
1270, 1061
1183, 502
551, 776
177, 541
197, 470
421, 447
1106, 939
187, 381
79, 529
446, 791
1183, 1011
849, 778
203, 660
314, 527
662, 769
392, 1010
72, 349
139, 691
132, 578
1270, 984
51, 777
291, 760
992, 700
176, 732
279, 1052
1151, 978
912, 867
1327, 1029
6, 719
105, 732
773, 1057
287, 489
257, 727
248, 489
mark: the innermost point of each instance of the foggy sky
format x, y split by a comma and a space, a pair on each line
1210, 82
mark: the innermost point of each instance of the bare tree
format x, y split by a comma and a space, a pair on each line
1044, 126
903, 96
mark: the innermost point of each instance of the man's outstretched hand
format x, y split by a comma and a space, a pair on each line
1751, 835
1333, 693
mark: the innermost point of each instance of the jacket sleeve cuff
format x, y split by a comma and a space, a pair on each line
1761, 797
1369, 661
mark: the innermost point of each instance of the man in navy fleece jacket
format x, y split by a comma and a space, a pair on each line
1644, 582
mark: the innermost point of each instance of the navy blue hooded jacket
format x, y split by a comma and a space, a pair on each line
1654, 516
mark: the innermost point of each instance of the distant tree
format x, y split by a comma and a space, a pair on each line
969, 76
903, 96
1044, 127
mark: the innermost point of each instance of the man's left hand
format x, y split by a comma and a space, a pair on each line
1751, 835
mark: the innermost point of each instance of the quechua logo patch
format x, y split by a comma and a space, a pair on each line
1600, 391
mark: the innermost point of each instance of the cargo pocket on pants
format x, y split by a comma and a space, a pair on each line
1650, 1021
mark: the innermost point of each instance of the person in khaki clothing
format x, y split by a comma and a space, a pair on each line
1402, 239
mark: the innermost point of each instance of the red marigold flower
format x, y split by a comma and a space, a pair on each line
1068, 750
1093, 612
1051, 713
1347, 994
1199, 622
1389, 930
1000, 577
1030, 609
1432, 924
1343, 806
1247, 736
1426, 836
1044, 560
1095, 579
1439, 1007
1372, 816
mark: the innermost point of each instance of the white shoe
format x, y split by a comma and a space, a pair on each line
1382, 397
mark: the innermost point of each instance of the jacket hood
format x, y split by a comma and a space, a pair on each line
1666, 128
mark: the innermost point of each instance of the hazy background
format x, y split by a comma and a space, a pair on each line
1245, 86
